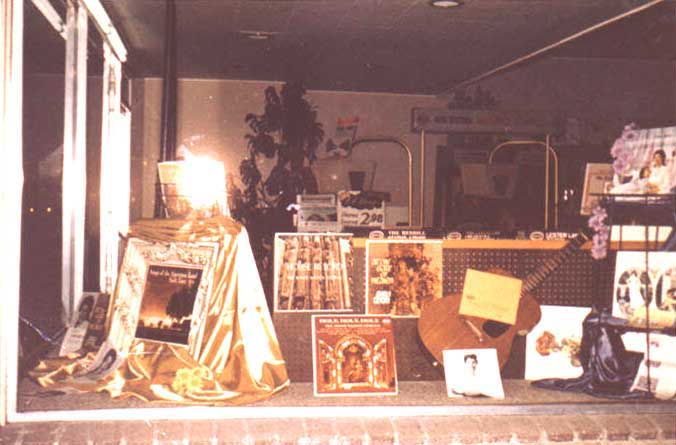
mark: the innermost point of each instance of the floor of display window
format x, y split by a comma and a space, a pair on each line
420, 414
428, 397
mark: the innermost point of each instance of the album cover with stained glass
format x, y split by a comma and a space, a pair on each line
313, 272
353, 355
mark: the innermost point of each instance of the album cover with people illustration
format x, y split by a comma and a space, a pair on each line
645, 296
353, 355
645, 161
402, 275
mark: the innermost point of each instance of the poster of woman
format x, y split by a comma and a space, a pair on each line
645, 161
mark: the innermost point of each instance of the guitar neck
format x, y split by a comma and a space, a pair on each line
541, 273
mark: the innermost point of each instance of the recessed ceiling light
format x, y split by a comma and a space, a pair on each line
445, 3
257, 35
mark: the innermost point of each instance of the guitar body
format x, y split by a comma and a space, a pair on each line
442, 327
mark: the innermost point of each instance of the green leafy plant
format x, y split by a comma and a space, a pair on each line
288, 132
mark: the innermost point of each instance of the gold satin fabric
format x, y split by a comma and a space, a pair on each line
237, 359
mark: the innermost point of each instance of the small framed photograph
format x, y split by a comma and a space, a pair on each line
402, 275
161, 292
472, 373
313, 272
553, 346
353, 355
598, 179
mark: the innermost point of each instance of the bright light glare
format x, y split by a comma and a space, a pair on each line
194, 184
204, 182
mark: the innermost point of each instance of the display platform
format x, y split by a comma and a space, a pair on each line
571, 284
414, 399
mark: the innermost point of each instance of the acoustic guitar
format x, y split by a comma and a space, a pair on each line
440, 325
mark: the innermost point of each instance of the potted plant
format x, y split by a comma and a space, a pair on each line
287, 132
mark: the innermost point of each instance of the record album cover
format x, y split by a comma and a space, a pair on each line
313, 272
353, 355
402, 275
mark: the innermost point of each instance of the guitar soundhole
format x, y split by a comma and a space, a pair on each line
495, 328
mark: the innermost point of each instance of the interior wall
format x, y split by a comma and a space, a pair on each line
211, 122
601, 94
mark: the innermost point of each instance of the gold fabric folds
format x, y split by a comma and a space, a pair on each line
236, 359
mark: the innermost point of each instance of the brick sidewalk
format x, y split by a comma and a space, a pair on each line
649, 429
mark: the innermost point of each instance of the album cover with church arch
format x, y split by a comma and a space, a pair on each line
353, 355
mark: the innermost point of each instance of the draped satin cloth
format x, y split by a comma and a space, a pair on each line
608, 368
237, 358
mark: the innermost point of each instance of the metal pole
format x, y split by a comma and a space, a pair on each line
554, 45
168, 132
421, 219
409, 158
168, 148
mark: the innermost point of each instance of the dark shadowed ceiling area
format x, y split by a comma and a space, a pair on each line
381, 45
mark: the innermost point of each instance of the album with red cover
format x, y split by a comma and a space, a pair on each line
353, 355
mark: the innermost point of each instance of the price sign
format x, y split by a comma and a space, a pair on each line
356, 209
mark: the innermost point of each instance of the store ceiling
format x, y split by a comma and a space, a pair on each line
381, 45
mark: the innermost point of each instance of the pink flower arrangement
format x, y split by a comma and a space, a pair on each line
597, 222
620, 152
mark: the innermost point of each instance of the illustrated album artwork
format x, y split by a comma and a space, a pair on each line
353, 355
640, 293
553, 346
402, 275
161, 292
168, 303
312, 271
652, 161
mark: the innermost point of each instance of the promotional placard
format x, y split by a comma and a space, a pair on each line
360, 209
317, 213
353, 355
490, 296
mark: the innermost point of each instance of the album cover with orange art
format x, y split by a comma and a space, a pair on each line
353, 355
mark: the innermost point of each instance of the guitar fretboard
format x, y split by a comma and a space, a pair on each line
541, 273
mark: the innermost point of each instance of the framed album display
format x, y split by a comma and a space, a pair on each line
641, 294
353, 355
161, 292
402, 275
313, 272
